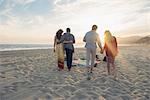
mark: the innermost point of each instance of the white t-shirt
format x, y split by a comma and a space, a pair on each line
91, 38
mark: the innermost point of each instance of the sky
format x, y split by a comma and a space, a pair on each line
36, 21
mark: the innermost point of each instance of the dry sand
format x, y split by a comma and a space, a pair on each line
33, 75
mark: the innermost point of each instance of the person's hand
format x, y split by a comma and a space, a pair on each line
101, 52
58, 42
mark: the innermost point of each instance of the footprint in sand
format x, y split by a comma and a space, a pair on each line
43, 97
80, 97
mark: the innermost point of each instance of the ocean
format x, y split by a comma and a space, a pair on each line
9, 47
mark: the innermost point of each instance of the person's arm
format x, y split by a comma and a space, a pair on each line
104, 48
99, 43
68, 41
73, 39
84, 39
62, 39
116, 43
54, 43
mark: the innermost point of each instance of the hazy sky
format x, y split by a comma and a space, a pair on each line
36, 21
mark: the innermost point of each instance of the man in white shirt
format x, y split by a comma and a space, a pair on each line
91, 38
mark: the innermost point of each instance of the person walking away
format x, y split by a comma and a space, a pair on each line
92, 39
58, 48
68, 40
111, 49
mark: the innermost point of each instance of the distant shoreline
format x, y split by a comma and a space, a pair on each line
76, 47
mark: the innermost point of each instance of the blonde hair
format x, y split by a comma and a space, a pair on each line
107, 36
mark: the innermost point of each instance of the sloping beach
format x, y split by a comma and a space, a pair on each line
33, 75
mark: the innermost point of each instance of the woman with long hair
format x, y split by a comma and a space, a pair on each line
58, 48
111, 49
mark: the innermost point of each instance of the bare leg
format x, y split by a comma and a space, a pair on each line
108, 65
114, 70
108, 68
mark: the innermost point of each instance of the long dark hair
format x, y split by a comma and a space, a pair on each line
59, 34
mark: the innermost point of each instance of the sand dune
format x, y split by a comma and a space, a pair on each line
33, 75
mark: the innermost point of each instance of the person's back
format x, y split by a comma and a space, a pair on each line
111, 47
58, 48
68, 37
111, 50
91, 39
68, 40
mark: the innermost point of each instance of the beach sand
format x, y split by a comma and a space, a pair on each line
33, 75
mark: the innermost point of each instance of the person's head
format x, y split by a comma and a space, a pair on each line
107, 36
94, 27
68, 30
59, 33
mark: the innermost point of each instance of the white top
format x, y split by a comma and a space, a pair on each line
91, 38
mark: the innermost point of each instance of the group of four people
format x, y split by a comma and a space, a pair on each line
64, 43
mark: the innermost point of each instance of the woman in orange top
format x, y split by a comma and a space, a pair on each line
110, 47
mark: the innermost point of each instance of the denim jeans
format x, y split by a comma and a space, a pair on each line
69, 54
